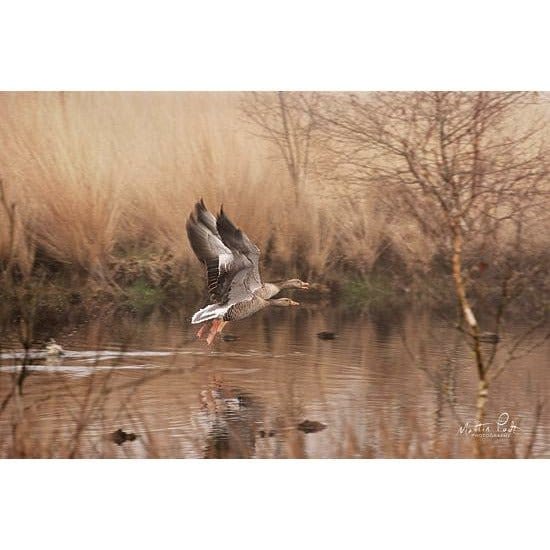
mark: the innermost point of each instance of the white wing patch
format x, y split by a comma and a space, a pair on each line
213, 311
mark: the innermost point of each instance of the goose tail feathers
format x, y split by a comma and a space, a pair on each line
213, 311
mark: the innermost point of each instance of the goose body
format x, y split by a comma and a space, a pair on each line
232, 269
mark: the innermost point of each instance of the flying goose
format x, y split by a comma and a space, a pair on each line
232, 270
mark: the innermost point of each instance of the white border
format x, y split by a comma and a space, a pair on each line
273, 504
278, 45
243, 45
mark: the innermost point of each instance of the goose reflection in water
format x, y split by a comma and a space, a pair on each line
234, 416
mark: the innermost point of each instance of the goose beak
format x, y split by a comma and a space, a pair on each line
305, 286
293, 303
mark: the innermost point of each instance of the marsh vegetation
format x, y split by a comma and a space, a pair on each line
390, 204
96, 186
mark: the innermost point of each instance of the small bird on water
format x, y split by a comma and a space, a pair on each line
53, 348
120, 436
232, 269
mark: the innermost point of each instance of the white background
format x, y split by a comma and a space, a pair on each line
237, 45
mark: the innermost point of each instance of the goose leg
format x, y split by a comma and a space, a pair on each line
213, 330
220, 326
202, 329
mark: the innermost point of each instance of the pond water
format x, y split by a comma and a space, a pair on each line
391, 384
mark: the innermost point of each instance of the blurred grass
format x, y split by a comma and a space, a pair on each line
102, 183
142, 297
98, 177
369, 290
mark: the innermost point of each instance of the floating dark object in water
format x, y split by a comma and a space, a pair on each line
311, 426
489, 337
229, 337
325, 335
263, 433
120, 436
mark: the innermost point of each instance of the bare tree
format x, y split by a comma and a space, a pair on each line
471, 169
286, 120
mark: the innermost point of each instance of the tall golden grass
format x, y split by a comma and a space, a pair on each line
98, 174
97, 177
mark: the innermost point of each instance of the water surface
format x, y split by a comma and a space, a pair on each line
391, 384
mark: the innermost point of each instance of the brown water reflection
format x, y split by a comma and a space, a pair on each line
245, 398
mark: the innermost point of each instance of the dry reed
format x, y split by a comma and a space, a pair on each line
100, 176
104, 180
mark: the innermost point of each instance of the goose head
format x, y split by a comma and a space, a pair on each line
283, 302
295, 283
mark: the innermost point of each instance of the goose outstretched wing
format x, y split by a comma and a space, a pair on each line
247, 280
231, 259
